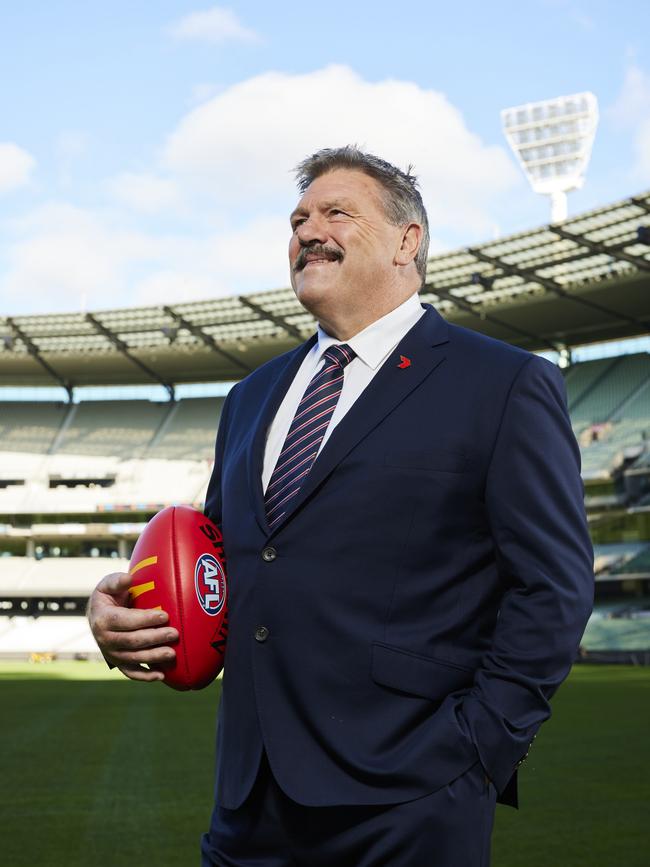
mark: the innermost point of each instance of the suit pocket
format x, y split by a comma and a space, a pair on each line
441, 459
425, 676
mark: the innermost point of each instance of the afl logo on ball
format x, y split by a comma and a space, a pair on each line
210, 583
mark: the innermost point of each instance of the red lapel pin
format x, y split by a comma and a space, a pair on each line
404, 361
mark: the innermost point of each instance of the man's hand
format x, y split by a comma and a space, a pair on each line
130, 639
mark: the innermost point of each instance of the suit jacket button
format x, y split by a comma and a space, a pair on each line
269, 554
261, 633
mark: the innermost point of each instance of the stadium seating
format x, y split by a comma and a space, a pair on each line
138, 456
30, 427
189, 432
581, 379
603, 633
159, 483
637, 565
54, 576
607, 558
108, 427
609, 403
609, 396
145, 484
113, 428
598, 389
598, 458
64, 637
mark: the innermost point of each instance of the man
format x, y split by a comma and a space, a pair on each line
410, 570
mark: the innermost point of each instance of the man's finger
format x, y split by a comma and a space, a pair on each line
153, 656
138, 672
115, 584
134, 648
119, 619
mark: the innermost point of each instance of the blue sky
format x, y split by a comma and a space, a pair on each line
146, 147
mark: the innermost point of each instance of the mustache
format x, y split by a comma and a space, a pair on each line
321, 250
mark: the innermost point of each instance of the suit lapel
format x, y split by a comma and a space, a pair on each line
268, 408
423, 345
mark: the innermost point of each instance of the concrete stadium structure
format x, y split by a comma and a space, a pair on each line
78, 480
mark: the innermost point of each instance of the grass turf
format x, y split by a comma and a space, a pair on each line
99, 771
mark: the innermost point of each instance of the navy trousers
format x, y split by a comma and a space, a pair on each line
451, 827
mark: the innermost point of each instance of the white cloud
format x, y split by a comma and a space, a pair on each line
71, 144
210, 217
573, 13
70, 147
214, 25
642, 149
16, 166
249, 258
202, 91
241, 144
145, 192
256, 253
172, 286
62, 257
633, 101
631, 112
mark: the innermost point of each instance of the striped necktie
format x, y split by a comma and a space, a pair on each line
306, 433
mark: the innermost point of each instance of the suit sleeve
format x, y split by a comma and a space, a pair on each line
212, 509
535, 504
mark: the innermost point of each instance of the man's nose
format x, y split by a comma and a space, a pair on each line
312, 230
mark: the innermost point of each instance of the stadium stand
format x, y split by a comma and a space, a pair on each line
78, 484
63, 637
580, 379
616, 634
607, 387
30, 427
644, 460
637, 565
125, 428
54, 577
549, 288
78, 480
609, 402
120, 428
189, 431
609, 557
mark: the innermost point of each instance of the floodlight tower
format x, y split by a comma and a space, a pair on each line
552, 141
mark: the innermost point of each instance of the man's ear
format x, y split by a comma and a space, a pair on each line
410, 243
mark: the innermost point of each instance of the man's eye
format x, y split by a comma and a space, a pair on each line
297, 223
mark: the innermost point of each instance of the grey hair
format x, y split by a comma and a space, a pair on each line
402, 200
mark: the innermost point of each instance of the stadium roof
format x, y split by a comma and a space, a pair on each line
584, 280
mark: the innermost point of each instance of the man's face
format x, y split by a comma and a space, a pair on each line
342, 246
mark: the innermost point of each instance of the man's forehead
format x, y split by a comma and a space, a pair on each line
340, 186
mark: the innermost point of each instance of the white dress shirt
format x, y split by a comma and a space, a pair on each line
372, 346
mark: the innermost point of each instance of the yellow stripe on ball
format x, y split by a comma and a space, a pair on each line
149, 561
139, 589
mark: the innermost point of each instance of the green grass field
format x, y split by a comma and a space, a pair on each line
92, 773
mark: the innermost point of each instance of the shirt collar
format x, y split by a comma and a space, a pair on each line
378, 339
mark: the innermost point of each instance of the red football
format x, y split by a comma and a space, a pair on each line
178, 564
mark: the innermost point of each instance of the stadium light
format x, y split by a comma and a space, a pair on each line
552, 141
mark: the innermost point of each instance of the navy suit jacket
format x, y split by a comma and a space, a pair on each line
426, 594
